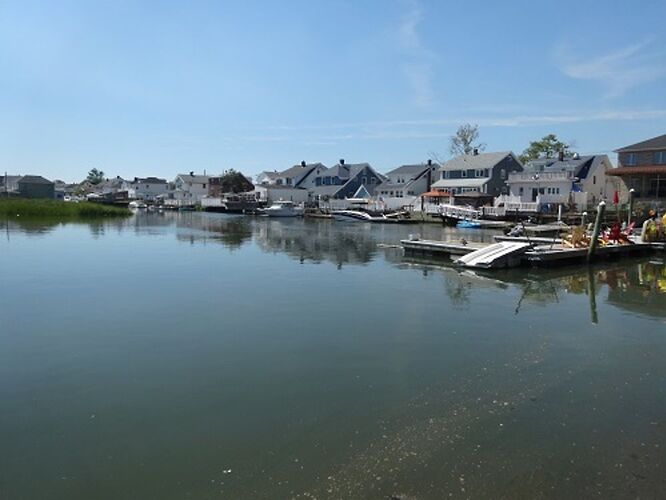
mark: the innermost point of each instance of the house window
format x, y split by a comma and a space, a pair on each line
520, 191
594, 179
327, 181
503, 174
486, 173
445, 175
463, 173
364, 180
318, 181
278, 182
373, 180
288, 181
204, 186
630, 159
660, 157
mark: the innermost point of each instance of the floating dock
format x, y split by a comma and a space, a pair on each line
520, 251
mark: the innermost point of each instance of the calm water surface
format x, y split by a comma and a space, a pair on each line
208, 356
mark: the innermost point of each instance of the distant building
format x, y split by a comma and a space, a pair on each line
403, 184
563, 180
239, 184
477, 172
642, 167
269, 193
147, 188
36, 186
341, 181
9, 184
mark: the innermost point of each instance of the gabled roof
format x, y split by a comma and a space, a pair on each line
196, 179
11, 179
412, 170
151, 180
471, 161
580, 166
33, 179
658, 142
270, 175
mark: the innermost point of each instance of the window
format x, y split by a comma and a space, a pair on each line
463, 173
445, 175
486, 173
318, 181
278, 182
520, 191
204, 186
630, 159
327, 181
364, 180
503, 173
594, 179
660, 157
373, 180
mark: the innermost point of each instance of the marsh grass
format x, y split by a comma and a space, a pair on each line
53, 208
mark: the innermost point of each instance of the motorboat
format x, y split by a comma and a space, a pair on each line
283, 208
354, 216
137, 204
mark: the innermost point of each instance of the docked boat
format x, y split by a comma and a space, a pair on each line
468, 224
354, 216
283, 208
137, 204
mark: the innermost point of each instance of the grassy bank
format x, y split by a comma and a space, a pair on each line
52, 208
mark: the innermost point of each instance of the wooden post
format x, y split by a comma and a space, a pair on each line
631, 205
601, 208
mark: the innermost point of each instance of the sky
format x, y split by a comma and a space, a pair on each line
158, 88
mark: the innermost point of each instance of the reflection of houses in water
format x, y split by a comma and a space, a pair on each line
316, 241
230, 231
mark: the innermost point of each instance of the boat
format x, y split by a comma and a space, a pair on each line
137, 204
354, 216
282, 208
468, 224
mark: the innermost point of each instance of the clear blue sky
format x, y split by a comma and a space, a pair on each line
156, 88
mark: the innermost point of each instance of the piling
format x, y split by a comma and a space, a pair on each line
631, 206
601, 208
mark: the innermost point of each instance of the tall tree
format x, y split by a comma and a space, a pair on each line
235, 182
95, 176
465, 140
547, 147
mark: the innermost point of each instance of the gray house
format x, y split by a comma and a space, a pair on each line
36, 186
485, 173
408, 180
342, 180
9, 184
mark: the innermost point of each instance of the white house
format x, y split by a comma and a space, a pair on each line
563, 180
270, 193
147, 188
405, 184
189, 189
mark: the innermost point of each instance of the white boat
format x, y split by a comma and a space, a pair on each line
137, 204
355, 216
283, 208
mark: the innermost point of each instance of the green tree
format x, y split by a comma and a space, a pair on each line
234, 182
547, 147
465, 140
95, 176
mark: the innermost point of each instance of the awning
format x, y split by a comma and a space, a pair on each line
463, 183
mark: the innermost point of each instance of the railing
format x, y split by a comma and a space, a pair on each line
456, 212
539, 176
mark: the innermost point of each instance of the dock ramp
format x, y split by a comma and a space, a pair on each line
502, 254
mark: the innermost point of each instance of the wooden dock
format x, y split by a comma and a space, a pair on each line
545, 254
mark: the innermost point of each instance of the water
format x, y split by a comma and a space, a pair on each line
206, 356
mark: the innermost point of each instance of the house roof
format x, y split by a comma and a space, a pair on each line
277, 186
34, 179
471, 161
299, 170
270, 175
412, 170
145, 180
581, 166
643, 170
197, 179
454, 183
11, 179
658, 142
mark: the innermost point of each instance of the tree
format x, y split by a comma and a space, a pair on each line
548, 147
463, 142
95, 176
234, 182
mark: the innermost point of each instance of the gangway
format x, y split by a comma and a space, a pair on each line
501, 254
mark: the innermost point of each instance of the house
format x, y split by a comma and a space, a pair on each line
563, 180
36, 186
268, 193
477, 172
115, 185
147, 188
231, 183
9, 184
405, 183
295, 175
266, 177
341, 181
642, 167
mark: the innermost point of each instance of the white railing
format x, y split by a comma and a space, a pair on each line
456, 212
540, 176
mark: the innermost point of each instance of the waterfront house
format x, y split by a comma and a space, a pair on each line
267, 178
570, 180
642, 167
9, 184
269, 193
406, 183
147, 188
477, 172
114, 185
189, 189
35, 186
341, 181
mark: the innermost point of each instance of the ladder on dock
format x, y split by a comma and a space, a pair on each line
502, 254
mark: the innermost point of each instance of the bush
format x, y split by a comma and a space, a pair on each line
52, 208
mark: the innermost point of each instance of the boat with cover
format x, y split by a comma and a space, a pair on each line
283, 208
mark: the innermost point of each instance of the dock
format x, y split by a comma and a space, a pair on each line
531, 253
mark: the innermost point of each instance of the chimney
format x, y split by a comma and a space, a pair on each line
429, 162
475, 151
342, 161
303, 164
191, 173
560, 155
